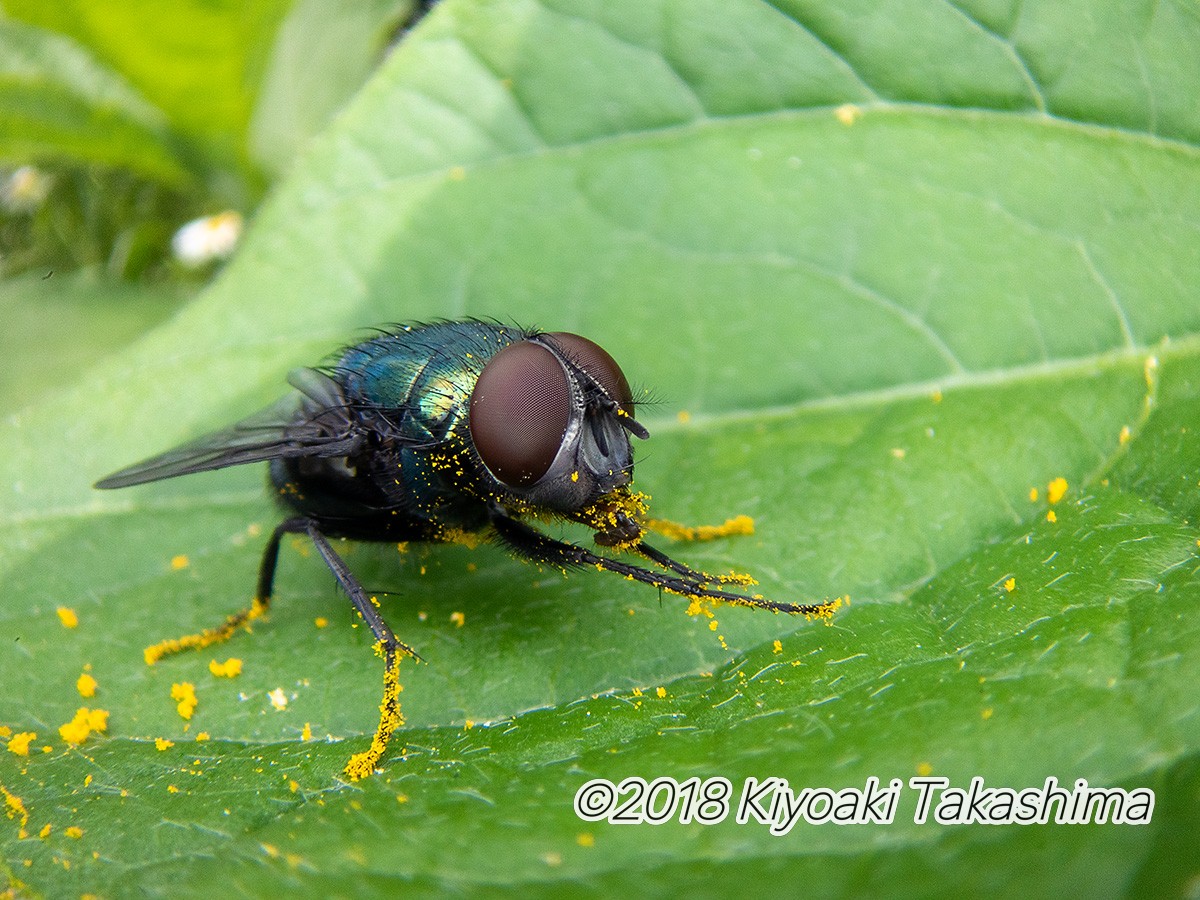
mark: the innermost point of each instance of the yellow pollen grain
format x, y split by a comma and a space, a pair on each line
1010, 585
683, 417
180, 562
5, 731
1055, 490
73, 831
1033, 495
161, 744
574, 476
1050, 516
936, 396
777, 647
19, 743
459, 619
84, 722
924, 769
457, 173
306, 732
15, 808
184, 695
899, 452
86, 685
468, 724
661, 692
203, 736
320, 621
231, 668
986, 713
45, 832
1123, 437
738, 525
67, 616
714, 625
637, 692
585, 839
171, 789
847, 113
278, 699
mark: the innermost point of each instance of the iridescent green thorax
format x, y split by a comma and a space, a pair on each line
424, 376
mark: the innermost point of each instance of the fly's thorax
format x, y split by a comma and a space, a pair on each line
417, 382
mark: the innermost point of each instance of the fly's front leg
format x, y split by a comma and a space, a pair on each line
679, 579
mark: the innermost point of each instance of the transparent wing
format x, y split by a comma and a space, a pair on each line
313, 420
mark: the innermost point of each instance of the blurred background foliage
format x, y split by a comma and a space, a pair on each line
121, 122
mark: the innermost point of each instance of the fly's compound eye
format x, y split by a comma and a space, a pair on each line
595, 360
520, 409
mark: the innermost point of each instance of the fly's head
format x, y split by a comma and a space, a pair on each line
550, 417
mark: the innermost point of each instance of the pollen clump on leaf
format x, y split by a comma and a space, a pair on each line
199, 641
86, 685
14, 807
184, 695
84, 723
1055, 490
68, 617
738, 525
231, 668
19, 743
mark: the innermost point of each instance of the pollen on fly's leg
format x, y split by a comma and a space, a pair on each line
387, 644
621, 520
258, 608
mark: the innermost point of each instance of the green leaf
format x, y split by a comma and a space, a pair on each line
321, 55
900, 266
198, 63
58, 103
45, 315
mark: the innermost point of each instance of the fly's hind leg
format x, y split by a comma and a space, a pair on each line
257, 609
387, 644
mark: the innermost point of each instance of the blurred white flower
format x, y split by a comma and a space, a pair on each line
211, 237
24, 190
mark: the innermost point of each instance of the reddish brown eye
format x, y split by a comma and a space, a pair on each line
519, 412
594, 360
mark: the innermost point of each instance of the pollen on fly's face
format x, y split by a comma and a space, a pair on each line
437, 432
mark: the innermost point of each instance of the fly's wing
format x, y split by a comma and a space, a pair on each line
313, 420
